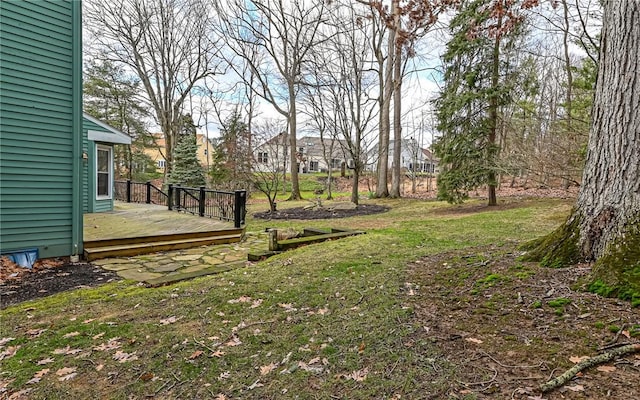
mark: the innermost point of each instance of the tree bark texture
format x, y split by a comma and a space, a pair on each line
396, 167
382, 189
493, 120
293, 147
609, 199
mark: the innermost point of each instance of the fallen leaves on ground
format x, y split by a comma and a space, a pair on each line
265, 369
357, 376
37, 377
34, 333
45, 361
288, 307
67, 351
9, 352
112, 344
122, 357
241, 299
606, 368
66, 373
170, 320
256, 303
235, 341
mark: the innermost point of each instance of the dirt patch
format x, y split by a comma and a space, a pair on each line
323, 212
48, 277
509, 326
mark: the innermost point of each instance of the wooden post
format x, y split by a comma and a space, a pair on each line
201, 201
128, 190
177, 202
240, 207
148, 200
273, 240
170, 197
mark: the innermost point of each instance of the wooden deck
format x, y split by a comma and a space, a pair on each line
132, 229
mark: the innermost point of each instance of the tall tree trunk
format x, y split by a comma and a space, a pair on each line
355, 182
293, 151
493, 120
396, 168
605, 223
382, 189
610, 194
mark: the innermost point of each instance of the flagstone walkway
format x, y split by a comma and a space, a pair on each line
172, 266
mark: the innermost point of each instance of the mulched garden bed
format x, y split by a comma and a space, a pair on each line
18, 284
322, 213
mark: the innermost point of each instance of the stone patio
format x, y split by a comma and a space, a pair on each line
172, 266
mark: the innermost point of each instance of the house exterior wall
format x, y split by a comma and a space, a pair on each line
40, 133
204, 152
310, 154
410, 153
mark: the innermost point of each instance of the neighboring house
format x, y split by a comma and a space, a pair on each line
412, 157
98, 172
156, 153
312, 156
41, 135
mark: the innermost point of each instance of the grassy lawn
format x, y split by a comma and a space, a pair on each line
329, 320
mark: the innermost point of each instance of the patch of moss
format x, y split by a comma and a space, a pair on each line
617, 272
614, 328
558, 249
559, 302
490, 279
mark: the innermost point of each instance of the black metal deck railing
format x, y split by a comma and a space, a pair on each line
226, 206
140, 192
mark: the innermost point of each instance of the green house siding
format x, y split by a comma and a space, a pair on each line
40, 135
98, 134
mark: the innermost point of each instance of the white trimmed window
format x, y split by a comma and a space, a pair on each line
263, 157
104, 172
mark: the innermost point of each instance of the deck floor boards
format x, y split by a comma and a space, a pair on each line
134, 220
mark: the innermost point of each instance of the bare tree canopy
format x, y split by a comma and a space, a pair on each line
274, 38
168, 44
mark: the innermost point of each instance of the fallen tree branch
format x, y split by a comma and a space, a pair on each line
590, 362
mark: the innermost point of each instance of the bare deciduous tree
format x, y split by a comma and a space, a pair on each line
284, 32
269, 153
167, 43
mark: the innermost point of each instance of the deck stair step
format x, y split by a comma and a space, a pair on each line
152, 244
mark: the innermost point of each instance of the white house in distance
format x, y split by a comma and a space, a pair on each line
412, 157
312, 155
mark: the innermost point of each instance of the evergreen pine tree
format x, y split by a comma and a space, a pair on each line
232, 155
187, 170
475, 87
112, 96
